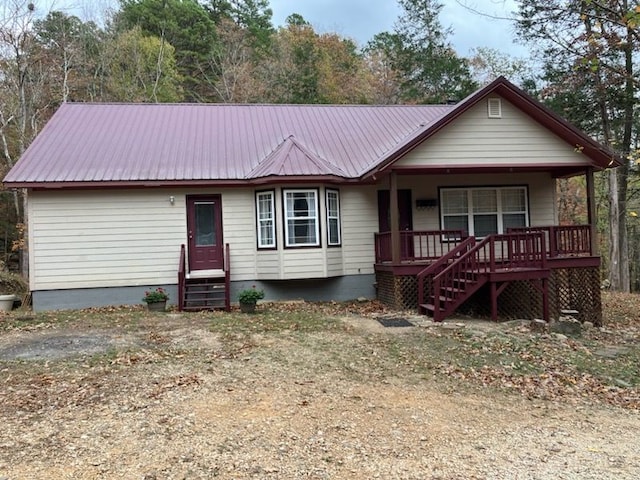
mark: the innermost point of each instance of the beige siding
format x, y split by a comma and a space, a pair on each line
359, 223
540, 187
81, 240
475, 139
238, 224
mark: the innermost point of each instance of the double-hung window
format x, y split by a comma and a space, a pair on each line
265, 208
485, 210
333, 217
302, 227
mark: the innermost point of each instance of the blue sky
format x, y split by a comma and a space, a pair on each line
362, 19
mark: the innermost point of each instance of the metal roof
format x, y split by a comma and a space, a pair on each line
85, 142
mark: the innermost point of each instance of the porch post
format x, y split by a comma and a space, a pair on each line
395, 218
591, 210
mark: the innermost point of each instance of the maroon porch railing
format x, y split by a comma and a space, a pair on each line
417, 245
182, 277
564, 240
439, 265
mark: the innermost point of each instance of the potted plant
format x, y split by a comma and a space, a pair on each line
248, 299
156, 300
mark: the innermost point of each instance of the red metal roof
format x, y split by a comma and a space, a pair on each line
87, 144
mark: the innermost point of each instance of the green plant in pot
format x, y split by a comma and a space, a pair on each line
248, 299
156, 300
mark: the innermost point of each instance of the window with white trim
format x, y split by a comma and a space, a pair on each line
333, 217
265, 208
302, 227
485, 210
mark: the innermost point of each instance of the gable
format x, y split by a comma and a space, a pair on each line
487, 135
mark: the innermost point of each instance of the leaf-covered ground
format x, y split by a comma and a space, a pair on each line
316, 391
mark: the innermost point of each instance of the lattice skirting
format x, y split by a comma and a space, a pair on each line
569, 289
397, 291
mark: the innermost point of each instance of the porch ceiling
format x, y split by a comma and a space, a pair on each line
556, 170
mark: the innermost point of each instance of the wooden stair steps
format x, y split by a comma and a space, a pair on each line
204, 294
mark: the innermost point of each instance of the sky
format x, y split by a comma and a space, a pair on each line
362, 19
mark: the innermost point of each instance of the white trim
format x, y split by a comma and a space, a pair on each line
335, 217
260, 220
311, 218
217, 273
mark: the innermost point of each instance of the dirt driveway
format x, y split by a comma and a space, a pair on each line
170, 397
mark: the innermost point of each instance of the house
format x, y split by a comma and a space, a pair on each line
424, 206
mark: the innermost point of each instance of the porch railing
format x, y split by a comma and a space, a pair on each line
416, 245
563, 240
560, 241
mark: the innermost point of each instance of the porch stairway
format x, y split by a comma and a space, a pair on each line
498, 260
203, 290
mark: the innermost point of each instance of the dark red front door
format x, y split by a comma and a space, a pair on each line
204, 225
405, 217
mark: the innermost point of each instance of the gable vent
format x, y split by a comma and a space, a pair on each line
494, 108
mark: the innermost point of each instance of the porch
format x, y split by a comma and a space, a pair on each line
528, 272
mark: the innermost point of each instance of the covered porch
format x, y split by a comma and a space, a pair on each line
527, 271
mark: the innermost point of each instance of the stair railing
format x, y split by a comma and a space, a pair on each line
439, 265
182, 275
467, 273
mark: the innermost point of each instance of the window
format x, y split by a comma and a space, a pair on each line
483, 211
333, 217
301, 218
265, 208
205, 224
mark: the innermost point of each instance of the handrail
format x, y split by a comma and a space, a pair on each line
437, 266
182, 274
523, 250
416, 245
563, 240
227, 277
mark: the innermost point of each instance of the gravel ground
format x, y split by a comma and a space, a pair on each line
171, 400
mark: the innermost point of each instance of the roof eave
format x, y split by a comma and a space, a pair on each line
41, 185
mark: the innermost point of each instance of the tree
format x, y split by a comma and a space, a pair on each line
380, 55
487, 64
142, 68
589, 49
184, 24
431, 71
72, 50
306, 67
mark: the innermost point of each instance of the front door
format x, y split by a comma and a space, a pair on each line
405, 217
204, 225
